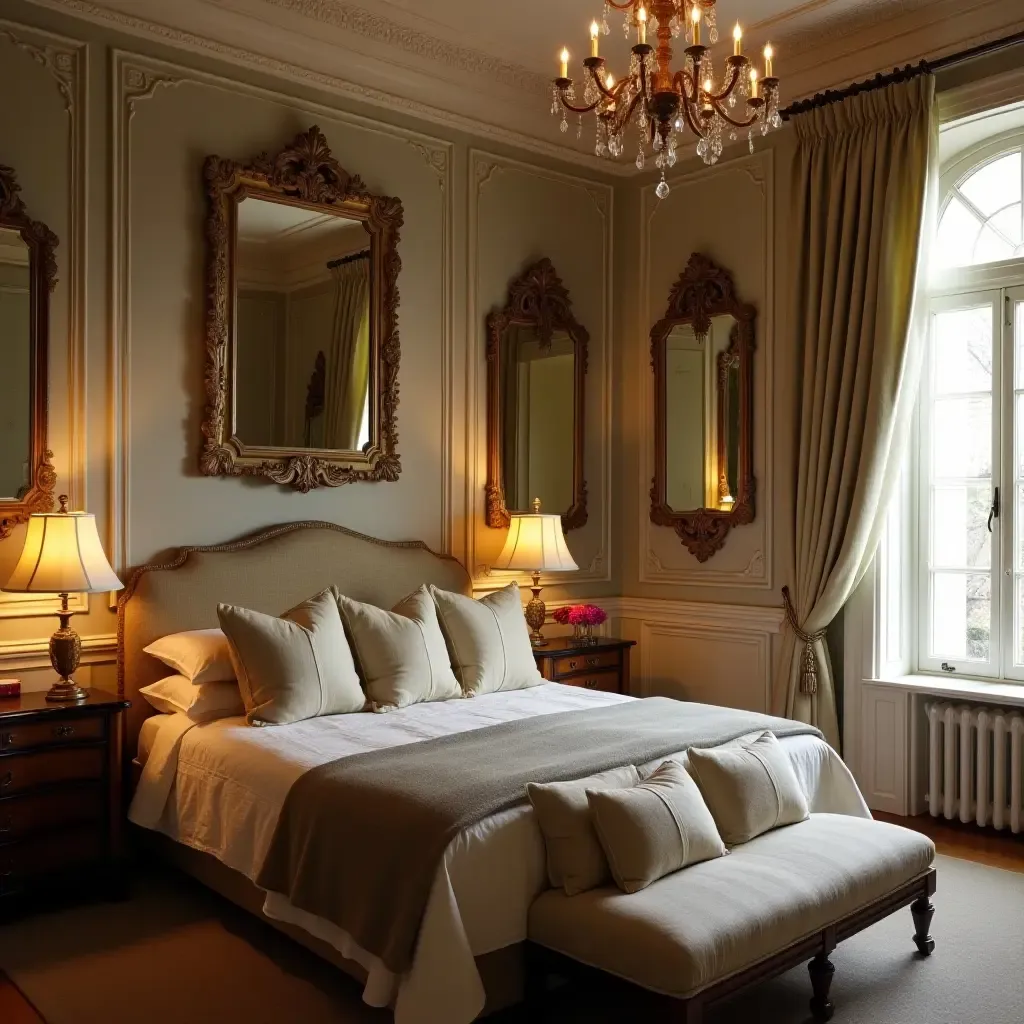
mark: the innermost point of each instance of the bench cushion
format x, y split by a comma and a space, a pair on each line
698, 926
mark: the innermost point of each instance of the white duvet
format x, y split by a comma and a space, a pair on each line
219, 788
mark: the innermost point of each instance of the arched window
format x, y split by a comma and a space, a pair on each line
982, 219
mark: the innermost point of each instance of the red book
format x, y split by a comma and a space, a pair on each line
10, 687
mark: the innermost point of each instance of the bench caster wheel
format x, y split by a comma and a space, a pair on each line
821, 970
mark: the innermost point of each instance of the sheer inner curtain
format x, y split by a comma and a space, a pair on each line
864, 203
348, 359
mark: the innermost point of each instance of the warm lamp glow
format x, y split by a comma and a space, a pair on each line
564, 58
768, 54
595, 31
641, 25
753, 83
535, 541
737, 39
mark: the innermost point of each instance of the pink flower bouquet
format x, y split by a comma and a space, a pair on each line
582, 617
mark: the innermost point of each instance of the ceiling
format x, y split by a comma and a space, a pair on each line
485, 66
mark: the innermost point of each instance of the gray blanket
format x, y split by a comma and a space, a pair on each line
360, 839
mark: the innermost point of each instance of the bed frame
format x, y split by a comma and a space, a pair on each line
271, 571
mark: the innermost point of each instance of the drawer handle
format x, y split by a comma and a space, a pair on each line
593, 661
7, 780
591, 684
64, 731
573, 664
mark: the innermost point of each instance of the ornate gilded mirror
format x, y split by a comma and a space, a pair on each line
702, 352
301, 326
28, 273
536, 384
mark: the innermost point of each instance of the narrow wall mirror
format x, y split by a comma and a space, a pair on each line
702, 355
302, 340
28, 273
536, 375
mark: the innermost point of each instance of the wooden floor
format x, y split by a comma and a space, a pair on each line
953, 839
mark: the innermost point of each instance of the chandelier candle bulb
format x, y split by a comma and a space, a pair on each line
737, 40
768, 54
695, 17
753, 83
595, 31
641, 25
564, 58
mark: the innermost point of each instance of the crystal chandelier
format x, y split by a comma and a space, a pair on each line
664, 103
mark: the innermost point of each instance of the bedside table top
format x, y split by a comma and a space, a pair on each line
560, 645
35, 702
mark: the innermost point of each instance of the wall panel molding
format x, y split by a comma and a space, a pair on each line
25, 655
136, 78
484, 168
758, 168
66, 61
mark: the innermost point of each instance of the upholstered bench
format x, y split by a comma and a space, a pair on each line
706, 931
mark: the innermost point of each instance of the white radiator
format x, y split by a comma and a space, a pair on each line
976, 764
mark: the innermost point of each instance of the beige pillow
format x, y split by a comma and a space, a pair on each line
200, 655
654, 828
295, 667
401, 653
201, 703
750, 788
576, 861
488, 640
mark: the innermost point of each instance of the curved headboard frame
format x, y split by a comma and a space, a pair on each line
271, 571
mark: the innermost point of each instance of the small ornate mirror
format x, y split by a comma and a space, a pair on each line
301, 328
702, 353
28, 273
536, 383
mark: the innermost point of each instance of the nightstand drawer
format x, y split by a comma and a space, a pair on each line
42, 812
607, 681
20, 862
45, 734
585, 661
22, 771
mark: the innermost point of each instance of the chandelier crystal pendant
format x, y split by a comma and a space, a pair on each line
663, 103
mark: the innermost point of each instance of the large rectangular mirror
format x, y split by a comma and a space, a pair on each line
702, 354
28, 273
537, 364
302, 313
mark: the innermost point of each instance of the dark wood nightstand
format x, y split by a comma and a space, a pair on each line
61, 777
599, 666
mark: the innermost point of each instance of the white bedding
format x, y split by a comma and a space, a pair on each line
219, 787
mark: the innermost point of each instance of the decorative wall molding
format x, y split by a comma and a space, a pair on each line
483, 166
702, 614
24, 655
138, 77
266, 64
66, 61
757, 574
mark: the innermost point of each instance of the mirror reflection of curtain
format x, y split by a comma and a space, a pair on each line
348, 358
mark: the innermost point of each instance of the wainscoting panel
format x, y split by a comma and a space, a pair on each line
710, 653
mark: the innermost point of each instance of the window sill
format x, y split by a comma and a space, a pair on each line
996, 692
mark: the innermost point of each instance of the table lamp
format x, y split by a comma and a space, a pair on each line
535, 543
63, 555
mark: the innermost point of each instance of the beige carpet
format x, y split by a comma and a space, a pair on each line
177, 953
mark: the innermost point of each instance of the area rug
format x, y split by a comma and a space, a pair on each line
177, 952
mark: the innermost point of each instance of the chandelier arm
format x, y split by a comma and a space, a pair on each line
726, 92
578, 110
610, 94
623, 6
683, 79
725, 117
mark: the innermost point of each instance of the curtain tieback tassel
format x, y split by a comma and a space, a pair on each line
809, 661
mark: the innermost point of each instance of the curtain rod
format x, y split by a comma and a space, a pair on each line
351, 258
904, 74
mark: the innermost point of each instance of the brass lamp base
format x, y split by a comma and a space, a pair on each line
65, 651
536, 612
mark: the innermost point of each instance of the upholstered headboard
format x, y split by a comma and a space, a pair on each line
270, 571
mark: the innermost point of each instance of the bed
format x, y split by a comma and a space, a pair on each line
210, 795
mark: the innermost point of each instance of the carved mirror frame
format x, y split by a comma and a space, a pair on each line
42, 245
705, 290
539, 299
304, 174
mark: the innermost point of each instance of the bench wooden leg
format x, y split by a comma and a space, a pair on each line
923, 910
821, 970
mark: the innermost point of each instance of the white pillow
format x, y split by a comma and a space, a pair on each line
200, 655
488, 640
401, 654
201, 703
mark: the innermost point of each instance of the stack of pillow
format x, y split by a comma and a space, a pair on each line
333, 656
618, 826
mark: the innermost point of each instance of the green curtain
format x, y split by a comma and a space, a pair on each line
864, 205
348, 359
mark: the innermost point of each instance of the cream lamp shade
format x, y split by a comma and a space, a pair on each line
535, 541
62, 555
